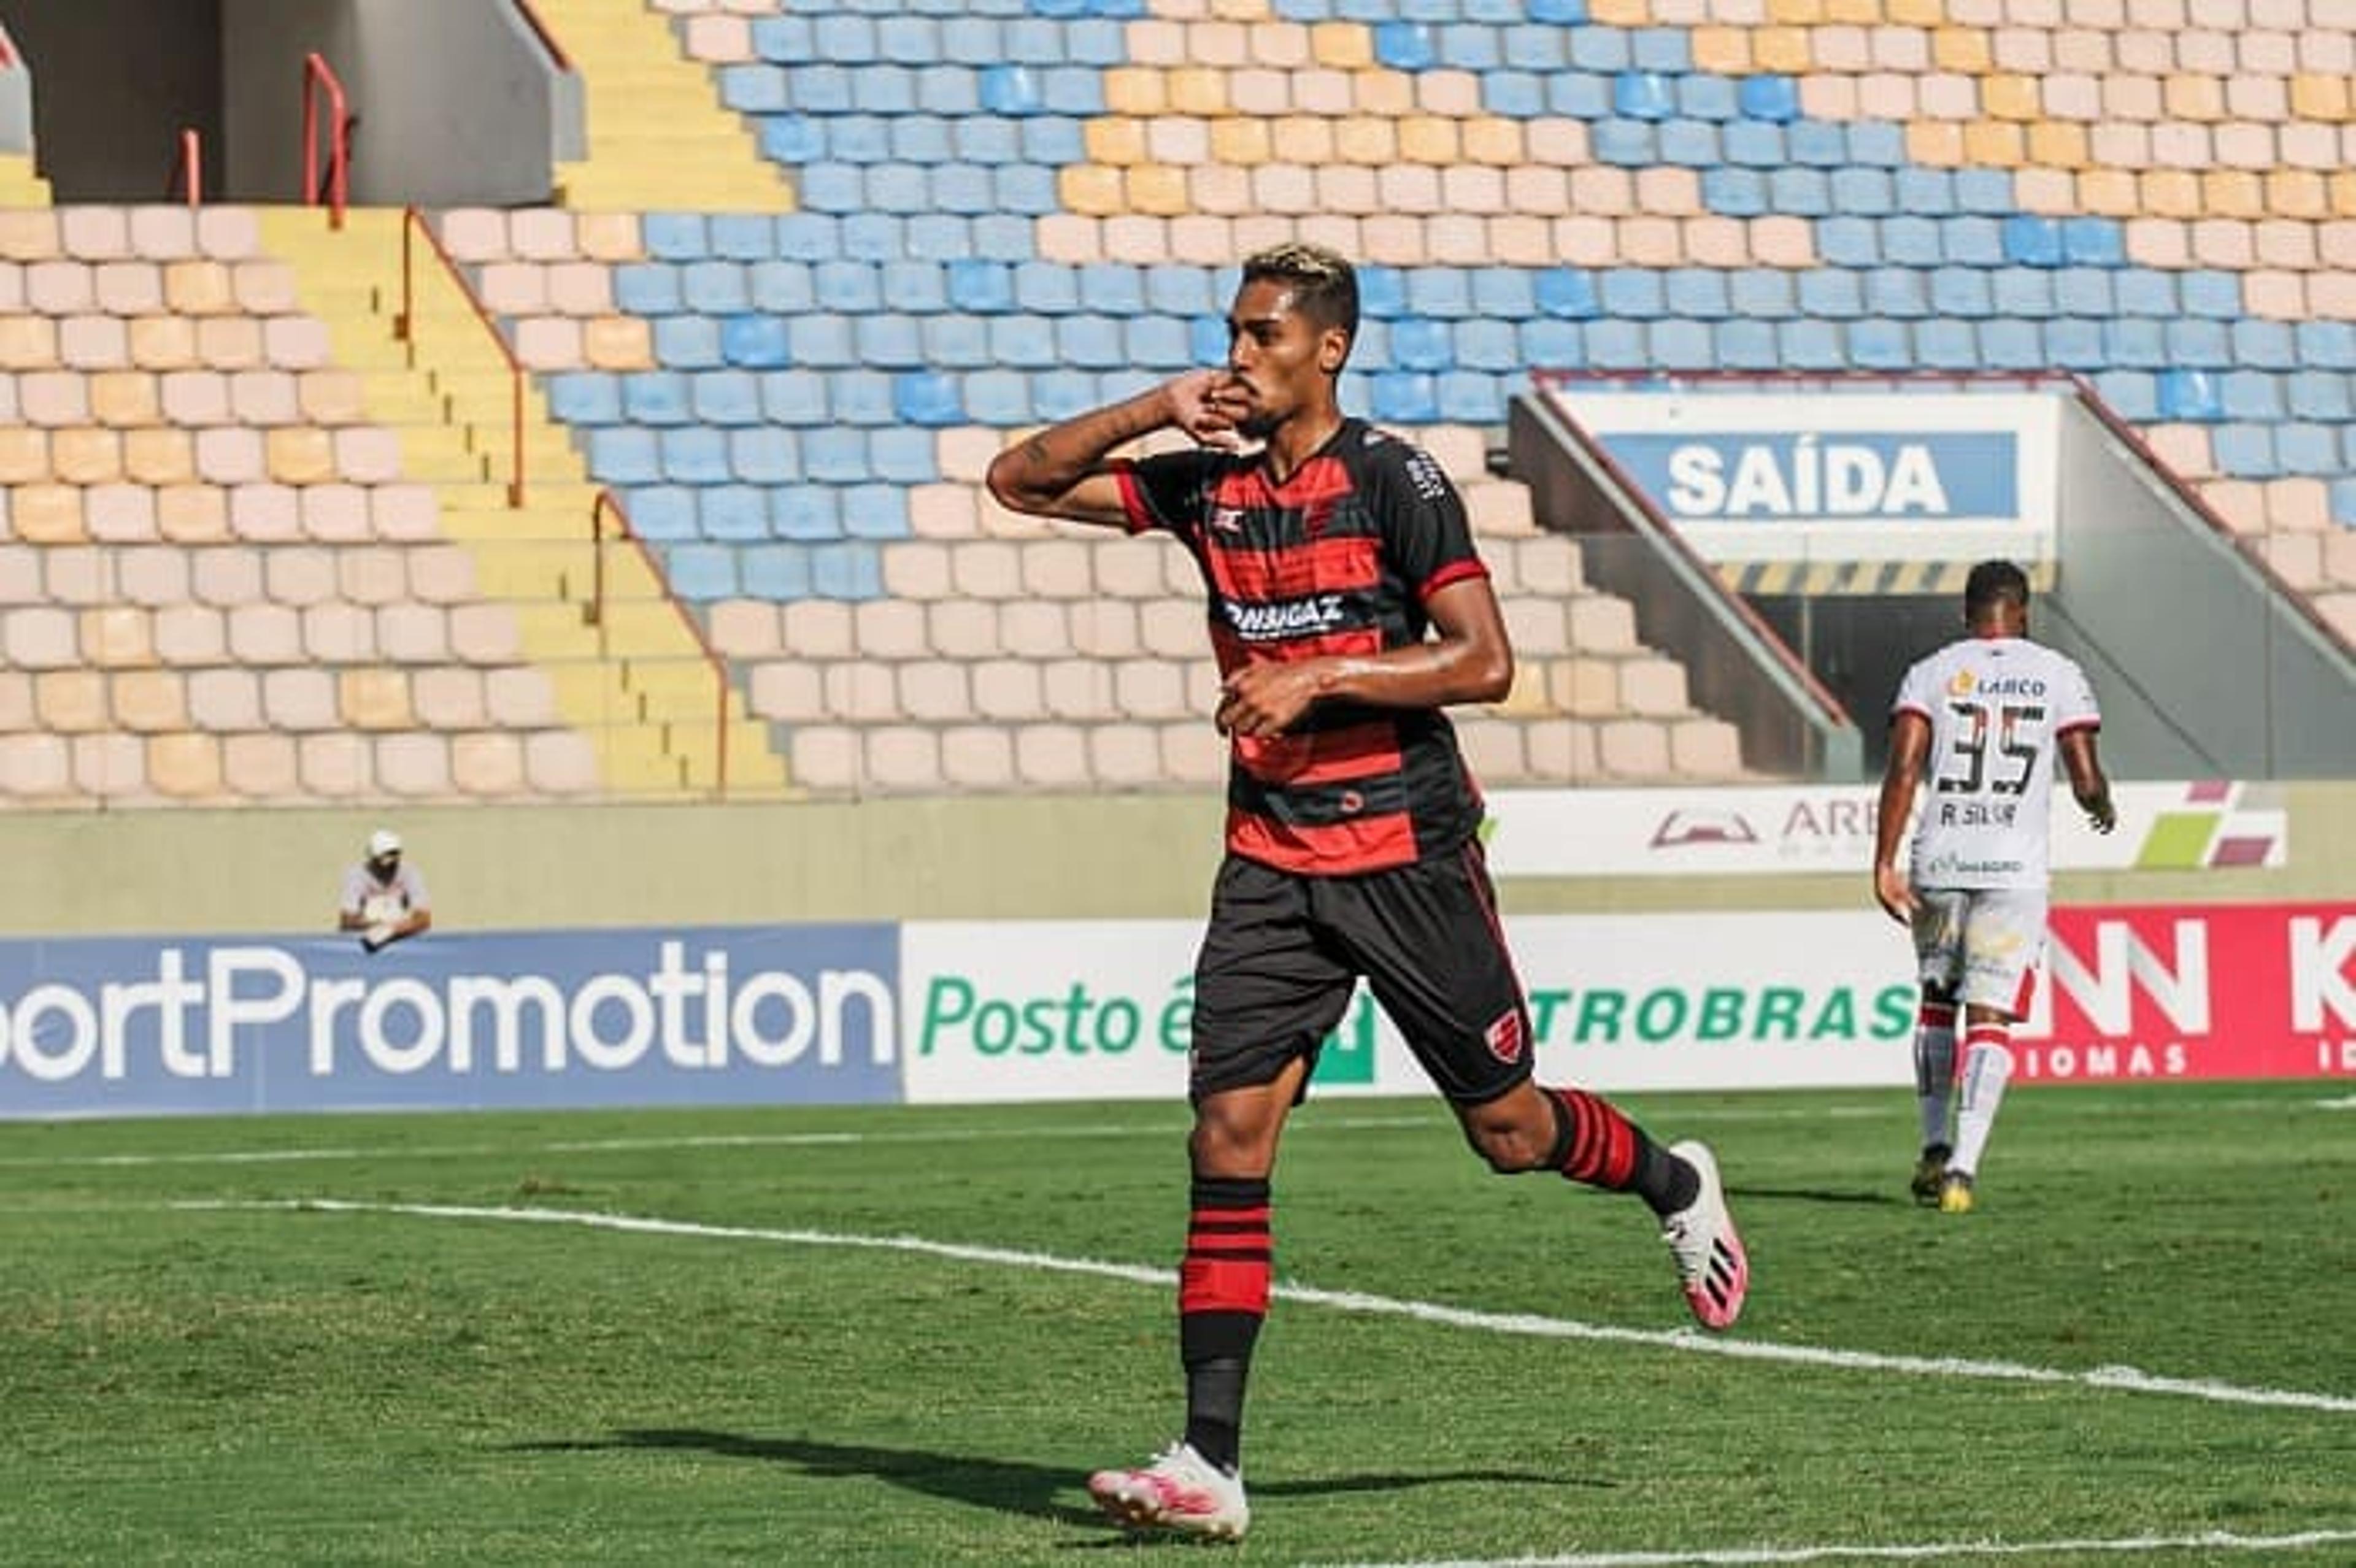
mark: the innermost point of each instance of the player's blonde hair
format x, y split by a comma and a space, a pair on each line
1325, 286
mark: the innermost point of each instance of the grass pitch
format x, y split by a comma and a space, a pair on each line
904, 1336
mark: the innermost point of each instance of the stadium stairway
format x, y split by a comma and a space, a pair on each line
636, 678
658, 134
20, 186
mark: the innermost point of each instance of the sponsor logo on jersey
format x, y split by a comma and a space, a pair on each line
1504, 1036
1284, 618
1424, 474
1227, 520
1964, 683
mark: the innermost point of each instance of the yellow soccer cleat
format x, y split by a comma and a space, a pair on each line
1955, 1193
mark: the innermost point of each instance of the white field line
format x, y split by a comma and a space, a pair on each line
1305, 1125
2127, 1380
1932, 1552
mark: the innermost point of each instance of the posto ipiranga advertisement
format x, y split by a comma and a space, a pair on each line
946, 1012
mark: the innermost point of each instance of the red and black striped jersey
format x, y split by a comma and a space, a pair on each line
1339, 559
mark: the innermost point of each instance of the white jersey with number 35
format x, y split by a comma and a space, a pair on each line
1998, 707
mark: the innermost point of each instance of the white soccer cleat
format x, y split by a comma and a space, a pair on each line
1180, 1491
1711, 1260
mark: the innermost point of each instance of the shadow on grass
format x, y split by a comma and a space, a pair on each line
1816, 1195
1007, 1486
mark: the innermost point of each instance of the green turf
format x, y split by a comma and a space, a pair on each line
231, 1385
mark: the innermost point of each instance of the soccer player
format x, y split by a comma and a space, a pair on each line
1347, 607
384, 899
1984, 716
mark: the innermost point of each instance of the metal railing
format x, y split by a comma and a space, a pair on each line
607, 503
187, 179
318, 79
404, 328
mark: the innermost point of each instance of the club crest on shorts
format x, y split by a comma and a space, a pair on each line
1504, 1036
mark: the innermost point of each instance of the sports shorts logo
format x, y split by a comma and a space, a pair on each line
1504, 1037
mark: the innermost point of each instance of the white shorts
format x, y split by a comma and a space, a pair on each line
1981, 946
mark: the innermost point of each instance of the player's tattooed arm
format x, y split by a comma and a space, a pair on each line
1061, 471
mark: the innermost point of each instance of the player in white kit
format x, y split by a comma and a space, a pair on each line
1983, 716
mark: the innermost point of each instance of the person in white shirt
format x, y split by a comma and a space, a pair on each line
1984, 717
384, 897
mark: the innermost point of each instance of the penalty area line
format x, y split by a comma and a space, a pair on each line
2117, 1380
1926, 1552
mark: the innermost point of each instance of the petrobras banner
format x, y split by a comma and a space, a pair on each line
1778, 830
1902, 476
139, 1026
1043, 1010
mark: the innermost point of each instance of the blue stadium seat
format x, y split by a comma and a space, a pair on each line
2265, 344
672, 236
1831, 291
876, 237
2093, 243
1805, 192
648, 288
805, 512
586, 398
794, 398
1703, 95
777, 573
956, 342
1863, 192
2132, 395
1631, 292
1960, 290
844, 39
1599, 49
2251, 395
1898, 292
1405, 45
1690, 144
1567, 293
1909, 239
1768, 97
661, 512
727, 397
1486, 344
1552, 343
1817, 144
2309, 451
625, 454
693, 454
836, 456
1046, 288
1157, 342
687, 342
2314, 395
761, 342
1625, 144
1402, 397
910, 41
1811, 345
1090, 342
1614, 345
2215, 294
927, 397
2326, 344
1924, 192
701, 574
1469, 49
1644, 95
742, 236
819, 86
830, 186
901, 456
655, 398
1513, 94
2343, 502
1853, 242
2135, 343
1763, 292
2191, 341
985, 288
1108, 289
1746, 344
2009, 343
859, 396
1579, 94
846, 571
1418, 343
809, 237
1972, 240
2032, 240
753, 89
2084, 291
731, 513
998, 399
875, 511
923, 138
890, 341
1679, 344
1693, 292
2073, 342
714, 288
1023, 342
1946, 344
1878, 343
2244, 451
1734, 193
2023, 290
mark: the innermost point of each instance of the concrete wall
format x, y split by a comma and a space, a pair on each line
114, 81
1103, 857
458, 105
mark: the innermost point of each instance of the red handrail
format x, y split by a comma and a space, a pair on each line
404, 328
189, 170
607, 502
317, 75
547, 39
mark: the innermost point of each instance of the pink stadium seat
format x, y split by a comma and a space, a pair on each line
904, 757
263, 398
337, 633
109, 766
485, 634
186, 513
198, 287
1635, 749
120, 514
27, 343
265, 288
71, 702
228, 342
301, 454
334, 514
976, 756
225, 700
419, 634
128, 288
227, 233
190, 634
518, 697
261, 766
185, 766
487, 765
295, 342
60, 288
94, 342
448, 697
786, 689
368, 454
160, 457
413, 764
265, 513
24, 457
266, 634
150, 701
160, 342
124, 399
826, 757
86, 455
330, 396
334, 765
300, 575
162, 233
47, 513
300, 700
35, 767
560, 763
39, 637
1052, 756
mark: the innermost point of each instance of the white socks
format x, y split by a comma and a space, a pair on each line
1988, 1065
1934, 1070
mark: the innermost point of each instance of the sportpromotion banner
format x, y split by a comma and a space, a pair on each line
1010, 1011
944, 1012
144, 1025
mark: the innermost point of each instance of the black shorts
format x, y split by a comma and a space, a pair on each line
1283, 952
